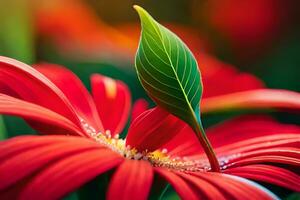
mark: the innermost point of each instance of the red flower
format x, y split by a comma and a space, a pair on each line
49, 167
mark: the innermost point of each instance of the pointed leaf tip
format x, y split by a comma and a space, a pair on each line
145, 17
136, 7
140, 10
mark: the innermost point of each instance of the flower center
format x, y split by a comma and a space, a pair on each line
158, 158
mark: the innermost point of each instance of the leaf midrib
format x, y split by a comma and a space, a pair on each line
173, 69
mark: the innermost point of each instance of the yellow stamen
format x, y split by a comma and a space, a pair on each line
158, 158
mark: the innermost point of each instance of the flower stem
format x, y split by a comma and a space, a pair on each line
209, 151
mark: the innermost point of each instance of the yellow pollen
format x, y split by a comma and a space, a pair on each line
158, 158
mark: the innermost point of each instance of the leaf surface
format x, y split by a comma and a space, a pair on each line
168, 70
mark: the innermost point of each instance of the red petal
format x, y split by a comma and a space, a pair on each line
246, 136
256, 140
22, 156
233, 187
209, 185
22, 81
139, 106
282, 155
152, 129
184, 190
18, 144
74, 90
67, 175
132, 180
259, 143
266, 159
215, 73
253, 99
113, 101
269, 174
205, 190
46, 121
245, 128
185, 143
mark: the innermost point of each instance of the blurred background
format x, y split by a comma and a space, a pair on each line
88, 36
259, 36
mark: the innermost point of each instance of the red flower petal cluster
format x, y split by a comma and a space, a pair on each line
83, 142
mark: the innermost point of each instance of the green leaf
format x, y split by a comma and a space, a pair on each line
168, 70
169, 73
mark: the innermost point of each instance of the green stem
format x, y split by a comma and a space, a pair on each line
209, 151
